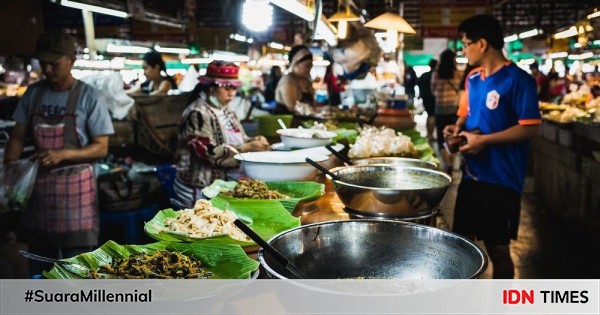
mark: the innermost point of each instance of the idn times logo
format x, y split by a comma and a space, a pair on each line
547, 297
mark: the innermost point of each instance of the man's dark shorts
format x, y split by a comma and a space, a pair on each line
487, 211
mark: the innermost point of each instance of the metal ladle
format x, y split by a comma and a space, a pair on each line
270, 249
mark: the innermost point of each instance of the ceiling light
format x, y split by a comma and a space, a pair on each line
93, 8
257, 15
276, 45
583, 56
170, 50
112, 48
511, 38
188, 61
572, 31
229, 56
391, 21
531, 33
593, 15
561, 54
326, 31
321, 63
295, 8
346, 15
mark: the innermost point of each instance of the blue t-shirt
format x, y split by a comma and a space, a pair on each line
497, 102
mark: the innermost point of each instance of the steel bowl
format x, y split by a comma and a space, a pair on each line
407, 162
388, 191
375, 249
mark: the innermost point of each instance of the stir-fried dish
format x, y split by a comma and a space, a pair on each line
206, 221
162, 264
254, 189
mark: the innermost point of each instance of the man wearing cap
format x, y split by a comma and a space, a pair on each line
70, 125
207, 131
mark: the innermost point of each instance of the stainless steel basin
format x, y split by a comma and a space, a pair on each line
398, 161
390, 191
375, 249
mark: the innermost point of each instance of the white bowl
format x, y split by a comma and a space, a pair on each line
305, 138
279, 166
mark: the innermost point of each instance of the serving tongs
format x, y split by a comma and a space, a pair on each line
340, 156
270, 249
67, 264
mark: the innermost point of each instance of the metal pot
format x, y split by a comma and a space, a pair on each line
407, 162
375, 249
390, 191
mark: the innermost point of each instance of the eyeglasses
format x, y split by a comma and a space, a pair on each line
467, 44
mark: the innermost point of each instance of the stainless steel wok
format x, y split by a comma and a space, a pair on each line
398, 161
375, 249
390, 191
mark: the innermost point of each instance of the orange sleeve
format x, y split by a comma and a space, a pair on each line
529, 122
463, 104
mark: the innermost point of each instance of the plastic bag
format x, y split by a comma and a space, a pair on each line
18, 180
111, 86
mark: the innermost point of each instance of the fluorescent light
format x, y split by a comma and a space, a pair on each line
593, 15
527, 61
322, 63
230, 57
531, 33
112, 48
561, 54
188, 61
93, 8
116, 63
295, 8
326, 32
462, 60
131, 62
572, 31
275, 45
170, 50
392, 38
511, 38
583, 56
342, 29
257, 15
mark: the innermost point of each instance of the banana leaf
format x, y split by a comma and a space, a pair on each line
299, 191
266, 217
426, 152
226, 261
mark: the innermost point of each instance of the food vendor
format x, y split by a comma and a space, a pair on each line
158, 82
207, 130
296, 85
70, 124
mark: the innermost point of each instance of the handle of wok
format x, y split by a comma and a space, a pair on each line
321, 168
340, 156
269, 249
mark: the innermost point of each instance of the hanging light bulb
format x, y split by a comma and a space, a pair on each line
343, 17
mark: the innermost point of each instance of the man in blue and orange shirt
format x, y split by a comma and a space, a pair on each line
501, 103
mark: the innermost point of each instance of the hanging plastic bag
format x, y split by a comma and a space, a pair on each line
18, 180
